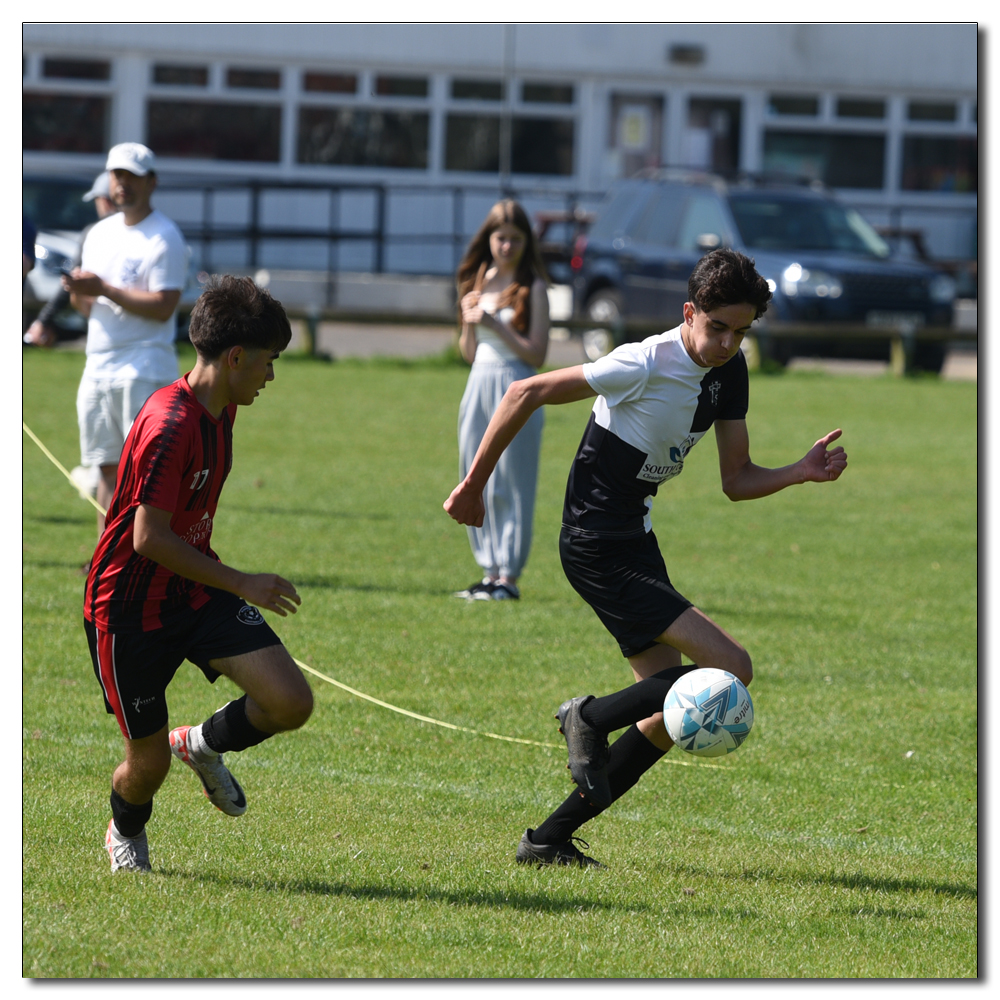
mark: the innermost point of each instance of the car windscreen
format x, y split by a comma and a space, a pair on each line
767, 222
617, 210
57, 205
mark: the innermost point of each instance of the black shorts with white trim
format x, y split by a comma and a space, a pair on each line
624, 579
134, 668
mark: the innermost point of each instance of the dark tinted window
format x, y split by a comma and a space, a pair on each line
856, 107
547, 93
616, 213
775, 223
76, 69
472, 142
57, 205
658, 222
477, 90
542, 146
932, 111
940, 163
64, 123
255, 79
215, 131
840, 159
362, 138
180, 76
783, 104
401, 86
330, 83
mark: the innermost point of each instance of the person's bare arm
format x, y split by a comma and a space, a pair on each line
153, 538
742, 480
522, 398
531, 347
158, 306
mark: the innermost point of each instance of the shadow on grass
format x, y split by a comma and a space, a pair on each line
858, 880
346, 586
533, 901
53, 564
307, 512
84, 517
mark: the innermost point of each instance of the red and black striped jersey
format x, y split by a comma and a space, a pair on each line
176, 457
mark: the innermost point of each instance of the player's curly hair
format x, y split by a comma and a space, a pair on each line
235, 312
478, 258
726, 277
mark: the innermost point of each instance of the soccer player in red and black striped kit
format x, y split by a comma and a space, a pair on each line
157, 594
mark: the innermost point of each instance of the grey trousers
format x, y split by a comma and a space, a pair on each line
502, 544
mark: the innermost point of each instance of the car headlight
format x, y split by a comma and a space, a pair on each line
799, 280
941, 288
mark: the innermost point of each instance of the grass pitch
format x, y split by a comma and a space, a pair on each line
839, 842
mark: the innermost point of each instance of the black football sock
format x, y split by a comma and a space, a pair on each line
129, 819
230, 729
634, 703
632, 755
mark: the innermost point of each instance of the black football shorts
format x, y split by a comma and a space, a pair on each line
134, 668
624, 579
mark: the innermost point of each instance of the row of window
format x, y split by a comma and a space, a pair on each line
863, 107
366, 137
846, 160
386, 85
336, 136
313, 81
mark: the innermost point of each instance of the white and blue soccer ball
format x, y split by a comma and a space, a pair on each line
708, 712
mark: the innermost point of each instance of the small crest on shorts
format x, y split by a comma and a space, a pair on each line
249, 615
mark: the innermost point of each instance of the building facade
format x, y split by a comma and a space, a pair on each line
886, 115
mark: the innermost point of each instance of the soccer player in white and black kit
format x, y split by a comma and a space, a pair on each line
655, 401
157, 594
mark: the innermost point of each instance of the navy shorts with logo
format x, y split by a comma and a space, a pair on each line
624, 579
134, 668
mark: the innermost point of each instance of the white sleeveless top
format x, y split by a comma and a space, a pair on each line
490, 349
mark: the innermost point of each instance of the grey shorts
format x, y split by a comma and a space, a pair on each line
106, 409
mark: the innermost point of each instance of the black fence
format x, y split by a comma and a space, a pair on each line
380, 227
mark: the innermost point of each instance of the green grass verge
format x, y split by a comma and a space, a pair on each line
840, 842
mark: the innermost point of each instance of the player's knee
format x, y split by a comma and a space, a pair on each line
295, 709
741, 665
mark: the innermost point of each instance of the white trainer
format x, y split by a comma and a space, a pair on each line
127, 853
222, 789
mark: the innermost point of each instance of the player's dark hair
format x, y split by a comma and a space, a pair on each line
726, 277
235, 312
478, 258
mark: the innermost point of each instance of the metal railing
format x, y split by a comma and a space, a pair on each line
381, 233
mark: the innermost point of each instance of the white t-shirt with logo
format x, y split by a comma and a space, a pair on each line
149, 257
654, 404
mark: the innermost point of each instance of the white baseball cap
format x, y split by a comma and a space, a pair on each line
99, 189
131, 156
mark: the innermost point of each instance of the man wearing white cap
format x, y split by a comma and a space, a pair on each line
128, 284
42, 332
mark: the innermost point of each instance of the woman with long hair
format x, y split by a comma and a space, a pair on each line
504, 311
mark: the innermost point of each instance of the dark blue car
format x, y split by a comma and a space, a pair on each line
831, 274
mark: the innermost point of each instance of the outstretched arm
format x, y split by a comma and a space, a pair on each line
154, 539
566, 385
742, 480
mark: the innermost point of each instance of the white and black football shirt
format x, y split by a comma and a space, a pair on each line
653, 407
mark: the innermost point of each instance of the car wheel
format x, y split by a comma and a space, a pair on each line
604, 308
